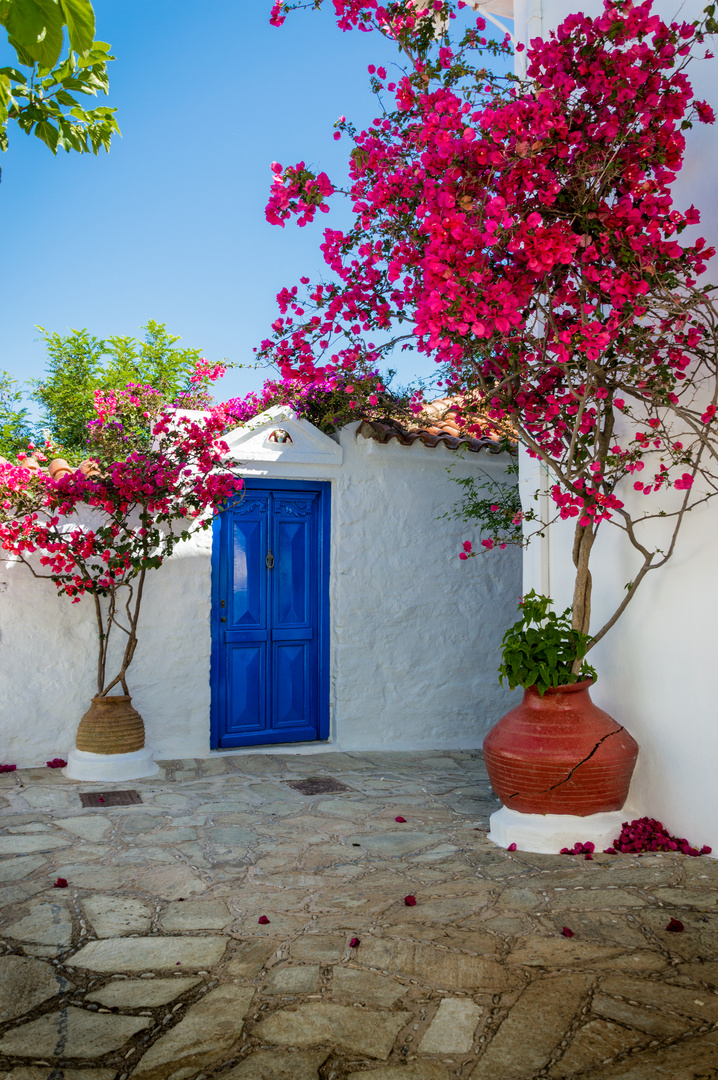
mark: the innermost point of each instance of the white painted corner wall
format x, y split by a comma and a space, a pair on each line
656, 665
414, 630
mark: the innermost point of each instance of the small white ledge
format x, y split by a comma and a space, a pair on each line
82, 765
548, 833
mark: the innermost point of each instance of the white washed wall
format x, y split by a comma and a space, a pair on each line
414, 630
656, 666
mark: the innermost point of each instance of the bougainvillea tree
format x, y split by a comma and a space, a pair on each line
154, 477
524, 234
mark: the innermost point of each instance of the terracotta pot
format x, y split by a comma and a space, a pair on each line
111, 726
560, 754
89, 468
59, 468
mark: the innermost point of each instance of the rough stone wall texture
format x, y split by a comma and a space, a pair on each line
414, 630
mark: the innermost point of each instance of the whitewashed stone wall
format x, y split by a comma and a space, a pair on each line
656, 666
414, 630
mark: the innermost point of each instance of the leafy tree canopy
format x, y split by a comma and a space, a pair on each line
79, 366
41, 93
15, 428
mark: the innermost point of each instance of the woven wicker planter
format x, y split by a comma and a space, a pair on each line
111, 726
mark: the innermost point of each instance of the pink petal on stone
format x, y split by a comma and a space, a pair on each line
354, 942
511, 847
566, 932
675, 926
263, 920
410, 901
400, 819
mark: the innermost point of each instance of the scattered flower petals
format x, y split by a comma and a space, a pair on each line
578, 848
178, 963
400, 819
100, 799
56, 763
354, 942
511, 847
61, 883
647, 834
8, 768
609, 851
567, 933
263, 920
706, 850
675, 926
180, 899
410, 901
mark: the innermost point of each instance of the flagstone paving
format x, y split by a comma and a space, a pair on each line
152, 962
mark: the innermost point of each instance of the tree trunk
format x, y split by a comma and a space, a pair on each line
581, 612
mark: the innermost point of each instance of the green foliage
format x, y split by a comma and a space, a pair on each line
495, 505
43, 99
79, 365
541, 647
15, 429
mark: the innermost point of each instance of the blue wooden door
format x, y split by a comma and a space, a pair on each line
270, 616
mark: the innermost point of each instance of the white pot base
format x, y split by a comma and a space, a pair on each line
82, 765
548, 833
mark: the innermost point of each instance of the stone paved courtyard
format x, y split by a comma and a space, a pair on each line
152, 962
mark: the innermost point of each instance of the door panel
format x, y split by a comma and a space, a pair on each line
270, 616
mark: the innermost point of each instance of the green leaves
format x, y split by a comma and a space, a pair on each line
541, 647
45, 103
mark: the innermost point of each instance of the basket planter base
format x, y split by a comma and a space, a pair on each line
548, 833
83, 765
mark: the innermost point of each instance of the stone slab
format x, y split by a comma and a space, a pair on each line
141, 993
71, 1033
204, 1036
112, 916
292, 980
592, 1044
48, 923
452, 1029
535, 1025
324, 948
360, 1031
91, 827
19, 867
26, 845
439, 967
26, 983
366, 986
413, 1070
279, 1065
251, 956
144, 954
196, 915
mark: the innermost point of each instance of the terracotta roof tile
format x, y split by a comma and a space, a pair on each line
437, 424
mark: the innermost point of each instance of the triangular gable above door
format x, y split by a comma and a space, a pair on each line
279, 434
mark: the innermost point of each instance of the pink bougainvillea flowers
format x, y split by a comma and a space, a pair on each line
61, 883
410, 901
400, 819
567, 933
8, 768
263, 920
675, 926
511, 847
354, 942
56, 763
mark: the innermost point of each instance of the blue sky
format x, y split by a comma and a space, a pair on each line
170, 225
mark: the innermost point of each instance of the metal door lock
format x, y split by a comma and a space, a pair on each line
269, 560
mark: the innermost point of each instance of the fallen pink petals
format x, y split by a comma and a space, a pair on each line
511, 847
8, 768
410, 901
354, 942
578, 848
567, 933
675, 926
400, 819
56, 763
61, 883
263, 920
647, 834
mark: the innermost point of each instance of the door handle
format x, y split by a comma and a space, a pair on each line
269, 560
223, 619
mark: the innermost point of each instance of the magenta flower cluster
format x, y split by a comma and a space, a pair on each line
647, 834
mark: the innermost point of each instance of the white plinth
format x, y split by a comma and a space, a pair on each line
548, 833
82, 765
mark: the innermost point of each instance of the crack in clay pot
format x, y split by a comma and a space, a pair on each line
578, 765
